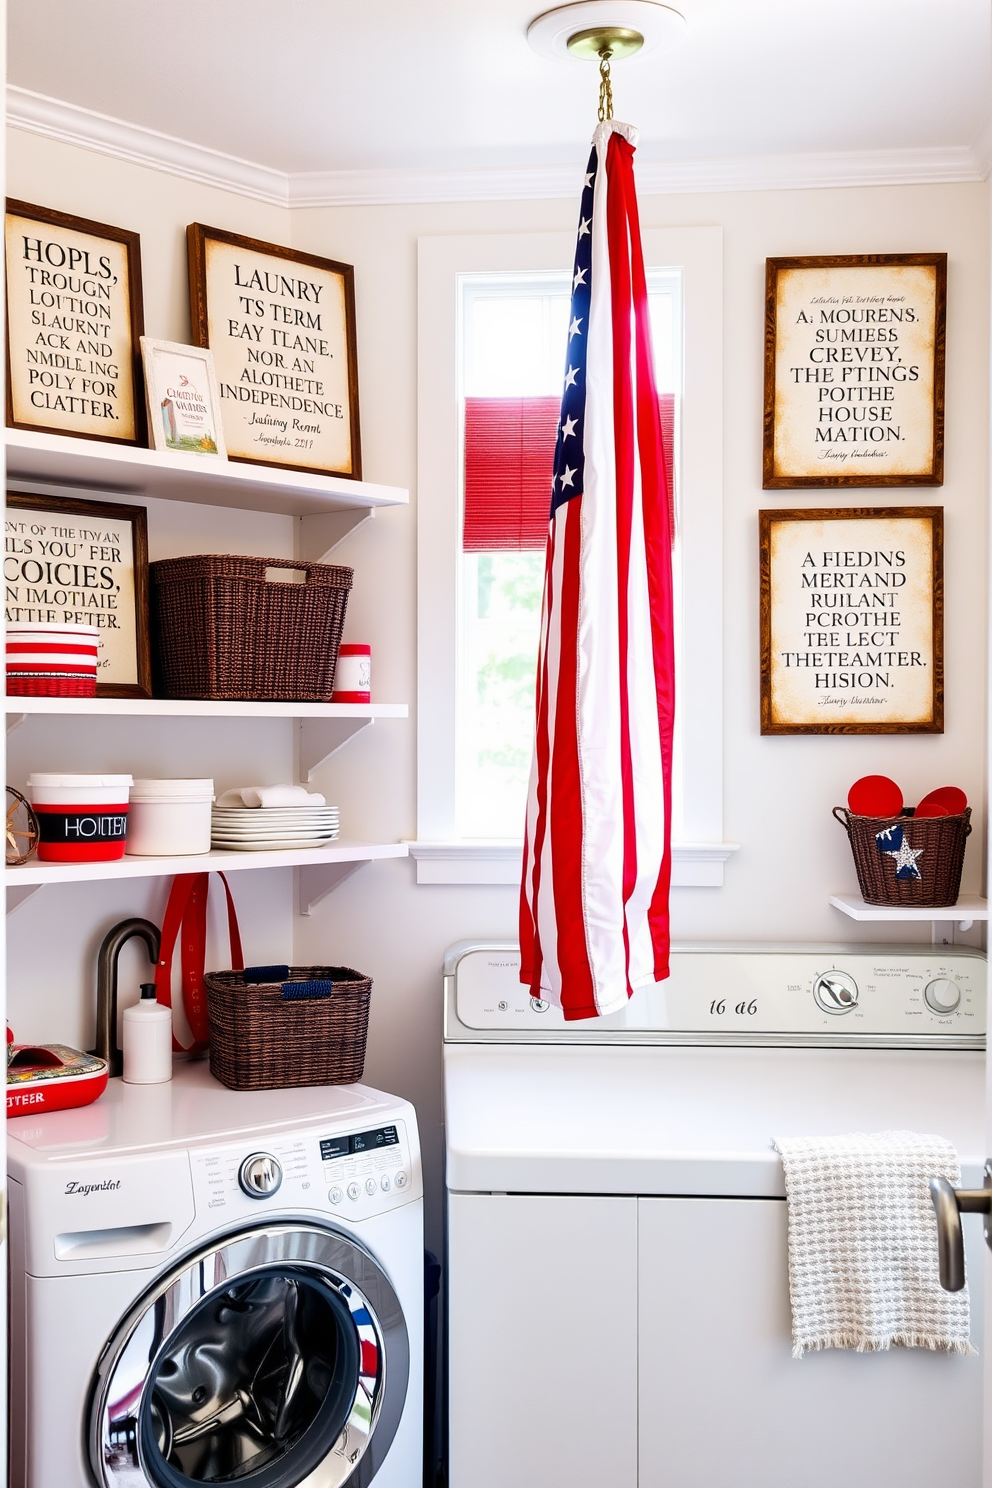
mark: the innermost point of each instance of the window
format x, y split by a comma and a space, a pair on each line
514, 331
482, 299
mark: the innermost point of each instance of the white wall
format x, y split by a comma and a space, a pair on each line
778, 791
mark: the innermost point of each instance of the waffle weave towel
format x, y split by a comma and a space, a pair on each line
863, 1243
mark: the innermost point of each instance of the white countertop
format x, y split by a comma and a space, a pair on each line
659, 1120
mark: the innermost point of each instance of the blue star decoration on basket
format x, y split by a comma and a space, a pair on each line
892, 842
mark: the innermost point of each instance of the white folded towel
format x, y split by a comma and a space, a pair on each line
271, 796
863, 1243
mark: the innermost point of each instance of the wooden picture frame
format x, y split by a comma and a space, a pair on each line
854, 370
285, 350
182, 399
80, 562
75, 317
855, 673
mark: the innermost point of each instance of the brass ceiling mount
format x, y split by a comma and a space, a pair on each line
586, 29
614, 42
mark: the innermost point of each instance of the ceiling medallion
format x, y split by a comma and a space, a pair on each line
590, 29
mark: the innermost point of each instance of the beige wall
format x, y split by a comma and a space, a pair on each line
778, 792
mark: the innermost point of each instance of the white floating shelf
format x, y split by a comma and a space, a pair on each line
106, 707
211, 862
963, 914
969, 907
322, 868
123, 470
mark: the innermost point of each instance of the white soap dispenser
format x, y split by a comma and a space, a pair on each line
147, 1040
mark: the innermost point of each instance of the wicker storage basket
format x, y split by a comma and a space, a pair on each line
908, 860
223, 629
275, 1026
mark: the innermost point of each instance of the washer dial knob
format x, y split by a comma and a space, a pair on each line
835, 992
260, 1175
942, 995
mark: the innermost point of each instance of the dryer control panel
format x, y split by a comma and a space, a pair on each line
827, 996
355, 1173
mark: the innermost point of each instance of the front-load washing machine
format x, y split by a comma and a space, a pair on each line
211, 1286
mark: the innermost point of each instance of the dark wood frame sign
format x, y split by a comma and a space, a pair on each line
854, 370
67, 562
852, 621
74, 324
281, 326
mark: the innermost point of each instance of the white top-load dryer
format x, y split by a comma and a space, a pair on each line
618, 1305
210, 1286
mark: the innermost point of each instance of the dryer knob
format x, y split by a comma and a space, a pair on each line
942, 995
835, 992
260, 1175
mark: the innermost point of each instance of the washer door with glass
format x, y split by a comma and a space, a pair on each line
278, 1357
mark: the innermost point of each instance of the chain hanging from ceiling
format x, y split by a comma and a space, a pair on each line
605, 86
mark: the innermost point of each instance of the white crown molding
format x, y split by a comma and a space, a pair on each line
72, 125
982, 149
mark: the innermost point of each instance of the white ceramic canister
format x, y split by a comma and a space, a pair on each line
83, 818
169, 818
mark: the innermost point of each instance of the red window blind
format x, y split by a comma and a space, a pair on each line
509, 457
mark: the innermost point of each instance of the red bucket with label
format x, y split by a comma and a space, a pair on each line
81, 818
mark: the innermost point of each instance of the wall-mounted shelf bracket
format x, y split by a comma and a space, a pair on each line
942, 932
17, 894
317, 880
318, 535
322, 737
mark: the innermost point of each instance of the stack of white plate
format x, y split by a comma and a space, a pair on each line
265, 829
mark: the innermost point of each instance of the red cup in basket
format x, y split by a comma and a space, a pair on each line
874, 795
52, 660
81, 818
353, 674
951, 797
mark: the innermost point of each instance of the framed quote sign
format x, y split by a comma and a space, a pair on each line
75, 562
852, 610
281, 326
74, 322
854, 370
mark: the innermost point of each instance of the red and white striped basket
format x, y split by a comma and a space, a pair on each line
52, 660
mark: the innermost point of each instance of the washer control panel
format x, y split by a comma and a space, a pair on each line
360, 1166
919, 996
356, 1173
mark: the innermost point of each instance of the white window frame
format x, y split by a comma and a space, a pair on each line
442, 857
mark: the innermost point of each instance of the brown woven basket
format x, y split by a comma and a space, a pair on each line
908, 860
276, 1026
223, 629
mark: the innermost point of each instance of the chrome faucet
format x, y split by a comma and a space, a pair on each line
106, 983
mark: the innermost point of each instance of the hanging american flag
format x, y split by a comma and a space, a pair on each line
597, 851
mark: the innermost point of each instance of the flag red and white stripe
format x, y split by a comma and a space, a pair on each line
594, 918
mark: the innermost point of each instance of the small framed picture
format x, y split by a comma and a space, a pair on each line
74, 321
76, 562
854, 370
182, 399
852, 621
281, 326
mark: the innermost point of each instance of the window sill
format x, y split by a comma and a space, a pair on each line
694, 865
